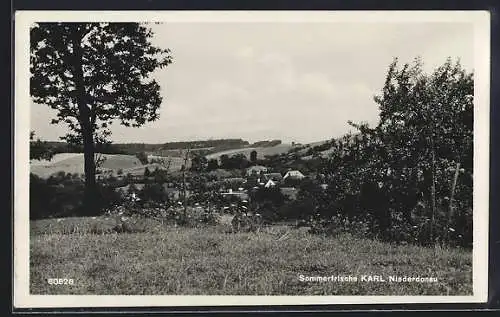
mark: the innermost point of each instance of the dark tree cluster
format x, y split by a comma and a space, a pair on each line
40, 150
237, 161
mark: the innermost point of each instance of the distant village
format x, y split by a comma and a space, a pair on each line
255, 177
225, 182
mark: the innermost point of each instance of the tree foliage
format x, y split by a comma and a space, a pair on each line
236, 161
212, 164
113, 60
399, 175
199, 163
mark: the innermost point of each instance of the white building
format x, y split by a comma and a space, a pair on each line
293, 174
269, 184
256, 170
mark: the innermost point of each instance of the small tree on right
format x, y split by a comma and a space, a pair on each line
426, 145
419, 156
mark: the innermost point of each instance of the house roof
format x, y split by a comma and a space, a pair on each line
270, 183
293, 173
256, 168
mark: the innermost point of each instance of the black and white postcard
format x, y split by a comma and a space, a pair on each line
251, 158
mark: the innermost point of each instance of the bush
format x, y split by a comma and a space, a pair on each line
153, 192
297, 209
40, 193
62, 195
58, 196
108, 197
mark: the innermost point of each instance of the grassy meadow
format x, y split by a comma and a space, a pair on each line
162, 259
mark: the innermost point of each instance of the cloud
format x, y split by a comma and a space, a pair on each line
223, 90
318, 84
299, 81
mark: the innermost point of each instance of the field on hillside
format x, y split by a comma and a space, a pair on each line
74, 163
176, 162
166, 260
55, 159
261, 151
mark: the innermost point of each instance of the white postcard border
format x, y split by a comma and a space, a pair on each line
23, 20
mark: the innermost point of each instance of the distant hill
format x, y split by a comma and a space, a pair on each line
174, 151
164, 149
218, 143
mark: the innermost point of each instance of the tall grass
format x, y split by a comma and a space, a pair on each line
208, 261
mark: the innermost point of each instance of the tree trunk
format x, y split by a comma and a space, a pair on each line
91, 207
90, 194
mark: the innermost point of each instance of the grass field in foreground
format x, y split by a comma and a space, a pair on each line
207, 261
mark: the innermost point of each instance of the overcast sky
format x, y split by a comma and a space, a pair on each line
291, 81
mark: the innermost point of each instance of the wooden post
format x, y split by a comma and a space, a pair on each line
452, 196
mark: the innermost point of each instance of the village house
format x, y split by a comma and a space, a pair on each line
293, 174
270, 183
255, 180
257, 169
272, 179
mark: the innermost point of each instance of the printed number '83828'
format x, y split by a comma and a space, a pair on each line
60, 281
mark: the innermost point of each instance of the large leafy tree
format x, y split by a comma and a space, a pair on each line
95, 74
